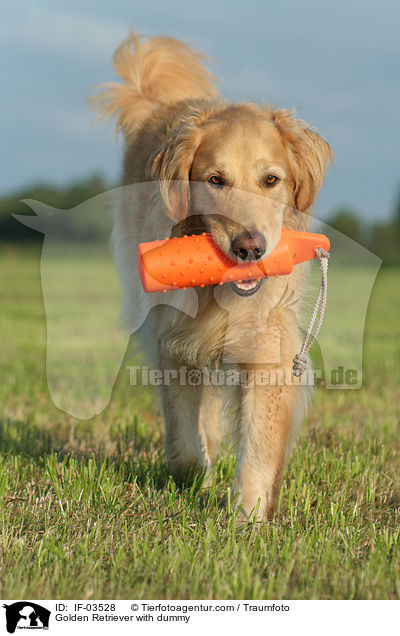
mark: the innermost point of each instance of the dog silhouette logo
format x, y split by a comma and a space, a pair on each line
26, 615
75, 287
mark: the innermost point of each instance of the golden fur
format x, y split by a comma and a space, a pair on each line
178, 131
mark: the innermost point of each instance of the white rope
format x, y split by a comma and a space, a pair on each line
300, 359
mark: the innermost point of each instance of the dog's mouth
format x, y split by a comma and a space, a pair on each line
246, 287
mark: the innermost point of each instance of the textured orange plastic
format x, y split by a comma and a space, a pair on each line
195, 261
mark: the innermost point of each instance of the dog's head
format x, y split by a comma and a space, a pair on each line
237, 172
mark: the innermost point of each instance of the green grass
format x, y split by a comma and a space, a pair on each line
88, 510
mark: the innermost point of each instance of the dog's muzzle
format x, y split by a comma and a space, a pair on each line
248, 247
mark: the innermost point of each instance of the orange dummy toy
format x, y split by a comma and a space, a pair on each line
195, 261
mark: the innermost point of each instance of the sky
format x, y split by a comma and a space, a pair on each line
336, 62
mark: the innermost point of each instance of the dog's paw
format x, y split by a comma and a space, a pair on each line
250, 510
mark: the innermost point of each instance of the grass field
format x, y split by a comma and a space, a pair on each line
88, 510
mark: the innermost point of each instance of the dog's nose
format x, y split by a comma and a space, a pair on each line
249, 247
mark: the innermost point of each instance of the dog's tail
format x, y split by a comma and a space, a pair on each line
161, 70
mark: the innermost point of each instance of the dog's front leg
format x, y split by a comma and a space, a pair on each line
267, 418
185, 444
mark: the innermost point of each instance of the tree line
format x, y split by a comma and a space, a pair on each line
382, 238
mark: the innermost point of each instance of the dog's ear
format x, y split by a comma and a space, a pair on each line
309, 156
171, 165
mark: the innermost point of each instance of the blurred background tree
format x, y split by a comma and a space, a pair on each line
64, 198
384, 238
381, 238
396, 214
347, 222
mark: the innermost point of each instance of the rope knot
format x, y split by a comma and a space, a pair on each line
299, 365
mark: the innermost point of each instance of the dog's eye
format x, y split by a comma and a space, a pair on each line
216, 180
271, 180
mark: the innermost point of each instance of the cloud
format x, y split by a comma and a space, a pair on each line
64, 33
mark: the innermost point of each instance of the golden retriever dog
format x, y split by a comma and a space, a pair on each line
238, 171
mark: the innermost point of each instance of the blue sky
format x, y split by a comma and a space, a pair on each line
336, 62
